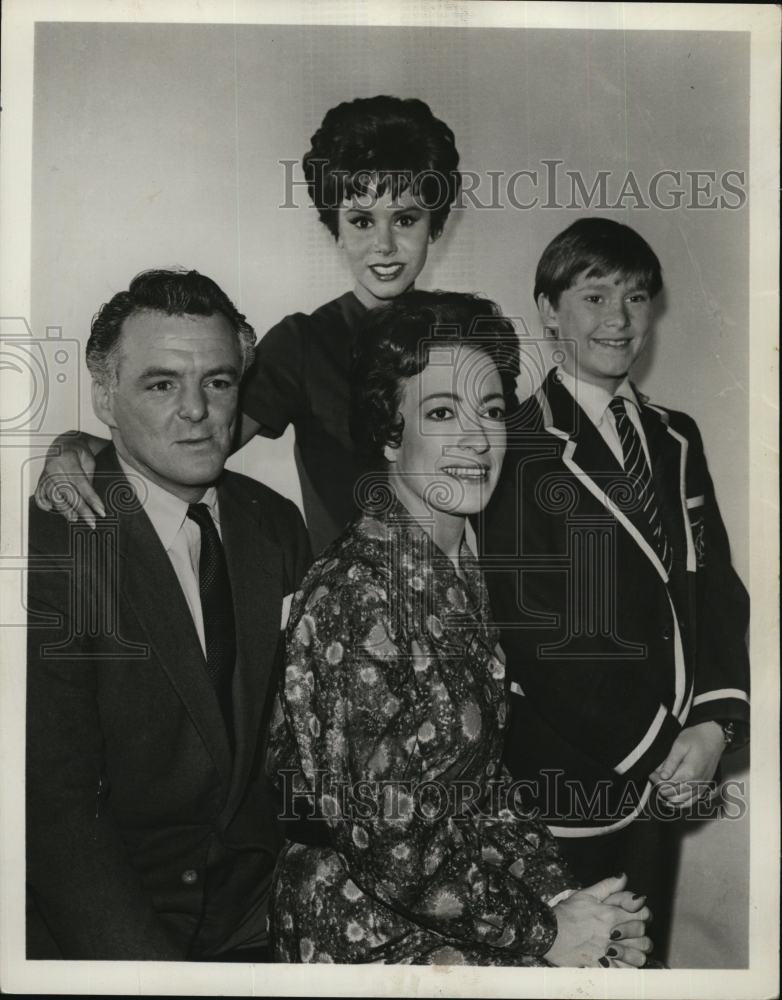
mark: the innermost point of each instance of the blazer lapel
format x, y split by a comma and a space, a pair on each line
588, 456
255, 566
152, 589
588, 449
665, 451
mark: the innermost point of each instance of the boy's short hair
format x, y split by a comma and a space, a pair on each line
385, 141
601, 247
393, 344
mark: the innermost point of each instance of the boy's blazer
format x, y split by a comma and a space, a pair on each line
145, 840
607, 658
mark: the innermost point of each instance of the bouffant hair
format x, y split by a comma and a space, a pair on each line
387, 144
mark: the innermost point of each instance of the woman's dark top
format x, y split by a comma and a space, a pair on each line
300, 377
394, 687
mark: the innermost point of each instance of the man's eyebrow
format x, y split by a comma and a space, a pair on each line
151, 373
222, 370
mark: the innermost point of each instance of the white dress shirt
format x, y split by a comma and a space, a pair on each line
594, 402
180, 536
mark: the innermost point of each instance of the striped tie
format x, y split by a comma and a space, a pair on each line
637, 467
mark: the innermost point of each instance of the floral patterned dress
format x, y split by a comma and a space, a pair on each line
390, 718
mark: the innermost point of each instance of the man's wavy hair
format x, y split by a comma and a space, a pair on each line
393, 344
173, 291
384, 143
599, 247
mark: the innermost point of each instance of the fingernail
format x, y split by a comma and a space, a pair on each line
604, 962
611, 952
620, 875
101, 510
615, 935
638, 896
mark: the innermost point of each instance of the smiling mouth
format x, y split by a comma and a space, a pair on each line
467, 473
386, 272
618, 343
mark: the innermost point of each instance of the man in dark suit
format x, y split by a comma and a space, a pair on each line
609, 572
153, 640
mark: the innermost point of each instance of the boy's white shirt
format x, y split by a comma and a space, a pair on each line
594, 402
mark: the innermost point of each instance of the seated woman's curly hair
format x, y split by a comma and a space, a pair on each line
388, 144
393, 344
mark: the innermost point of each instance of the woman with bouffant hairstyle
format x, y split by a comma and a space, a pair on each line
383, 174
383, 144
387, 731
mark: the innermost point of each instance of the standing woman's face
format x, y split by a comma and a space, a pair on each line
453, 441
386, 240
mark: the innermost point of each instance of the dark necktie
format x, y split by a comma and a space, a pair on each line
218, 610
637, 467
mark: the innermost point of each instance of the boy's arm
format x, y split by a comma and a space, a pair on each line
722, 607
721, 690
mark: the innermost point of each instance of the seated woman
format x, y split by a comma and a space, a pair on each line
392, 710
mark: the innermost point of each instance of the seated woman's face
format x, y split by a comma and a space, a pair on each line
385, 240
453, 440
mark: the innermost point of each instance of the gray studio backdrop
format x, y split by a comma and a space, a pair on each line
160, 144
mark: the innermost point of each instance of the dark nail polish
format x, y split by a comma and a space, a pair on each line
611, 952
619, 875
637, 896
604, 962
615, 935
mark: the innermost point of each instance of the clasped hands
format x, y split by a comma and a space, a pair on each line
602, 925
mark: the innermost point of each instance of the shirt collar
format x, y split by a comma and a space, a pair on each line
166, 511
591, 398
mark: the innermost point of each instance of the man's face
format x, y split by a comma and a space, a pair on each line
606, 321
386, 240
173, 411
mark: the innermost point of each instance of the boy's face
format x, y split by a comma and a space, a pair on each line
603, 324
385, 240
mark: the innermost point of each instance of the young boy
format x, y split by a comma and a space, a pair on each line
609, 572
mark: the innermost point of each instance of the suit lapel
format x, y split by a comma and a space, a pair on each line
152, 589
255, 566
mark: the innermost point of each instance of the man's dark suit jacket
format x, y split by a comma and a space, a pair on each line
607, 662
145, 840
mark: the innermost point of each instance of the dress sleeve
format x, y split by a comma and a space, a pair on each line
526, 848
354, 708
273, 390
